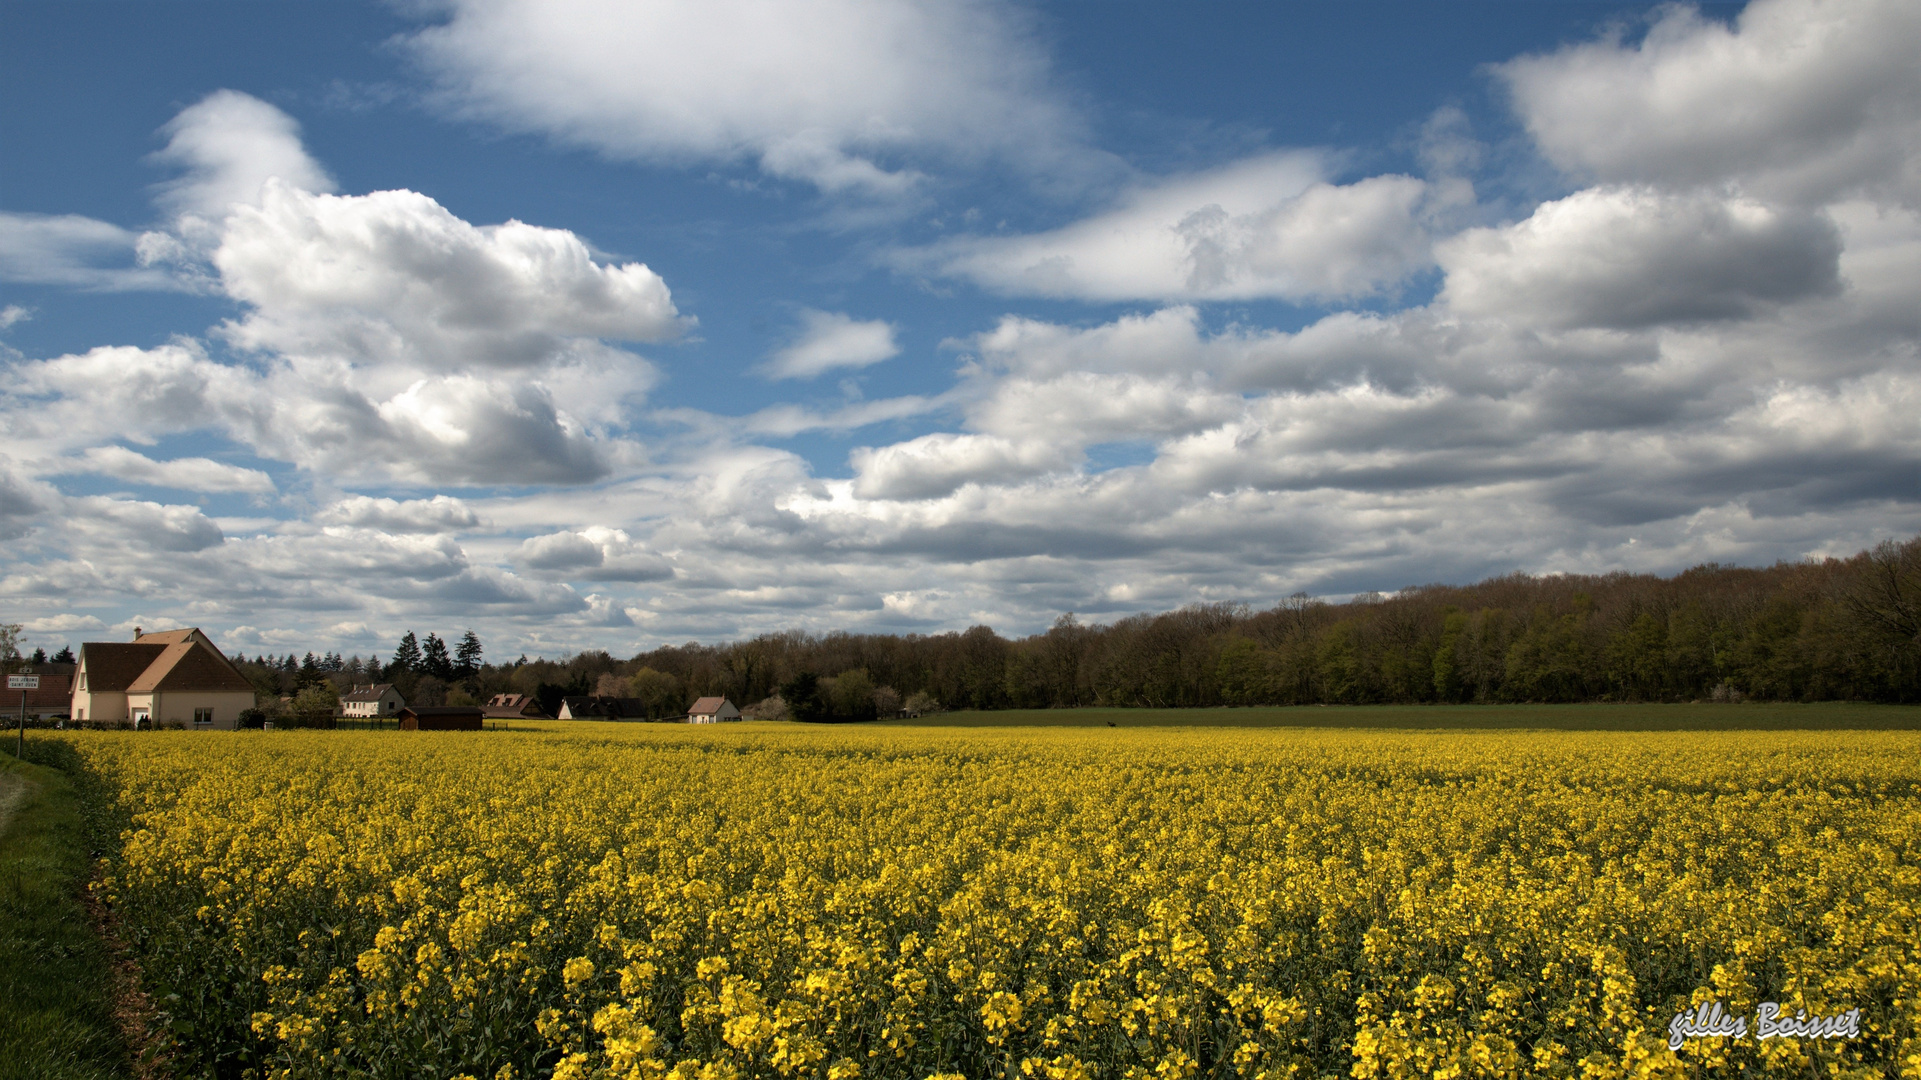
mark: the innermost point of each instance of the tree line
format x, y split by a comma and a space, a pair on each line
1829, 629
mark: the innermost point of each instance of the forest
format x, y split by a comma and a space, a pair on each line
1817, 630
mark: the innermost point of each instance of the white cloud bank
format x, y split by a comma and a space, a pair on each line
830, 92
1273, 226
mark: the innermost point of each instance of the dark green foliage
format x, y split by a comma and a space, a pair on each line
467, 656
406, 656
802, 695
434, 659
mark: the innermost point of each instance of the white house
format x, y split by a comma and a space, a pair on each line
379, 699
712, 710
174, 676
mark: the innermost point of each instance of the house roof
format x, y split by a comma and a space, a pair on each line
190, 665
114, 665
176, 660
706, 705
367, 693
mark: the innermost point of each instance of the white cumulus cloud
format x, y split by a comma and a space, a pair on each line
1272, 226
830, 92
830, 340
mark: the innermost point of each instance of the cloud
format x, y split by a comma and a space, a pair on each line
934, 465
64, 623
830, 92
1794, 99
1269, 227
830, 340
1627, 257
229, 145
393, 278
22, 500
442, 513
161, 527
187, 474
81, 252
596, 553
13, 313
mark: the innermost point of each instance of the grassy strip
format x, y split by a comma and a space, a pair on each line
56, 986
1769, 716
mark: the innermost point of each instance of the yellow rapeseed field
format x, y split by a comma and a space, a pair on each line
775, 901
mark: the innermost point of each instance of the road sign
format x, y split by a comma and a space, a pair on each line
23, 682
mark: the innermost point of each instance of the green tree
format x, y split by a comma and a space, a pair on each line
802, 695
467, 656
434, 659
406, 656
316, 704
9, 646
1447, 659
661, 693
1243, 672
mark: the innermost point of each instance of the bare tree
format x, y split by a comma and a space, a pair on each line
1887, 594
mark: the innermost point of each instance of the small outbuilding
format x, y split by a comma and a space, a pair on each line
440, 718
712, 710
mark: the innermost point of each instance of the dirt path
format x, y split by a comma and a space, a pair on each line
13, 787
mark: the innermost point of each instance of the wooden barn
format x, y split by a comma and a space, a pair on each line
440, 718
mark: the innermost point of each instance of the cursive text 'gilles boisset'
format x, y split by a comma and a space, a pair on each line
1711, 1020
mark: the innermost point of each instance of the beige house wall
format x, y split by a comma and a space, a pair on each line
106, 705
177, 706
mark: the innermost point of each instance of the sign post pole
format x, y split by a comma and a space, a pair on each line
22, 683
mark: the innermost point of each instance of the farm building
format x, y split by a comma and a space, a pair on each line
440, 718
53, 698
712, 710
378, 699
174, 676
513, 707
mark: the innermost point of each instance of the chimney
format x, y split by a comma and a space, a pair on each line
136, 633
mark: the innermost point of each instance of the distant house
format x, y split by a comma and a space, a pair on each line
712, 710
440, 718
378, 699
53, 698
513, 707
174, 676
602, 708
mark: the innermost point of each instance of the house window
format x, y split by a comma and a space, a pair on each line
203, 717
83, 680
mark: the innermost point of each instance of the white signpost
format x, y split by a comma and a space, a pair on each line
22, 683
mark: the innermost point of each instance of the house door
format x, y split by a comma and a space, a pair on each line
142, 718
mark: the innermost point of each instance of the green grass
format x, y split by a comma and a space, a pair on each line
1820, 716
56, 1018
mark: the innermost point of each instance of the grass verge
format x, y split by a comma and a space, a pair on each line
1767, 716
57, 987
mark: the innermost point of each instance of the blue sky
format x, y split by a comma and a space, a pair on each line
608, 325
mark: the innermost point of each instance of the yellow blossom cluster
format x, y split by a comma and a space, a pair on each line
596, 902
